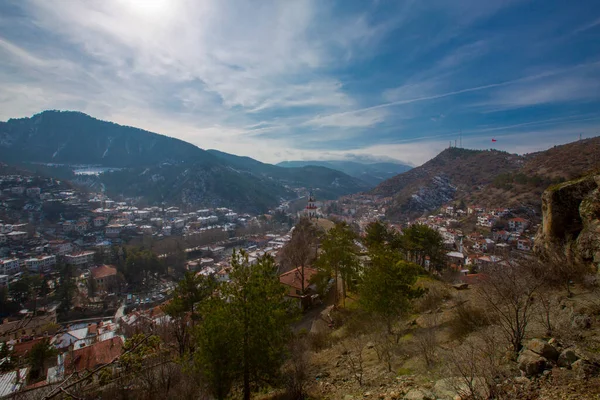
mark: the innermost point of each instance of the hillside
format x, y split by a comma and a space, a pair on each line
157, 167
371, 174
326, 182
488, 178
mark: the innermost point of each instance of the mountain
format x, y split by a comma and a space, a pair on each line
489, 178
67, 137
326, 182
157, 167
371, 173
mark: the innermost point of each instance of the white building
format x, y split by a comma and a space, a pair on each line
17, 235
40, 263
113, 230
10, 266
60, 247
81, 258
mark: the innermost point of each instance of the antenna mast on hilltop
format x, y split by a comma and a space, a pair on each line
460, 138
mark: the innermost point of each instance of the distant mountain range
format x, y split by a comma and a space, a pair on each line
370, 173
160, 168
488, 178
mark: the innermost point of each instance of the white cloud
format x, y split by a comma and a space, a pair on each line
358, 119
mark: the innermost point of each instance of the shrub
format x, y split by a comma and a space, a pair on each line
467, 319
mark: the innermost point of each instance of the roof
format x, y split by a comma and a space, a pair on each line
90, 357
21, 349
293, 278
8, 381
103, 271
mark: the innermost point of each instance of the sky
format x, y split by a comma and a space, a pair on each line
325, 79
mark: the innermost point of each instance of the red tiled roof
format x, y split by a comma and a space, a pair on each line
103, 271
293, 278
91, 357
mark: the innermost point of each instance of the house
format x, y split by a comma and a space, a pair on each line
293, 281
40, 263
80, 258
13, 381
113, 230
524, 244
518, 224
4, 280
17, 236
99, 222
105, 277
10, 266
91, 357
34, 192
60, 247
3, 238
456, 257
500, 235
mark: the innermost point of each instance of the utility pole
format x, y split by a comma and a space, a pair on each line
461, 138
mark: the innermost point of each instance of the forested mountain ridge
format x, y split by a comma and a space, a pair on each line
370, 173
158, 167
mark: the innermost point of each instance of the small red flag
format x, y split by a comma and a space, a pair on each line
493, 140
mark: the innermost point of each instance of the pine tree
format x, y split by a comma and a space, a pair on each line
339, 255
246, 327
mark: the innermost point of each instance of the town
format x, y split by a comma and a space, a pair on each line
81, 271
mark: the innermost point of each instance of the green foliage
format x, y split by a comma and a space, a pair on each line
66, 288
245, 329
38, 357
140, 266
378, 234
339, 255
190, 291
137, 349
388, 286
420, 241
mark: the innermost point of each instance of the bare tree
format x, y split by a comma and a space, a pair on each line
353, 356
300, 251
477, 364
508, 292
427, 340
296, 369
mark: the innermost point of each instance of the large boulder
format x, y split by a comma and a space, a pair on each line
571, 211
585, 369
567, 358
419, 394
542, 348
530, 363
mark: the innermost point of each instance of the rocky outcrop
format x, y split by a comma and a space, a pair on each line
571, 219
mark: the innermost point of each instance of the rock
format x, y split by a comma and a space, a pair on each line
547, 373
581, 322
370, 345
419, 394
348, 397
521, 380
585, 369
530, 363
554, 342
367, 394
567, 358
543, 349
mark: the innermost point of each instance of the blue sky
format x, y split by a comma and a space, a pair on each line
282, 80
